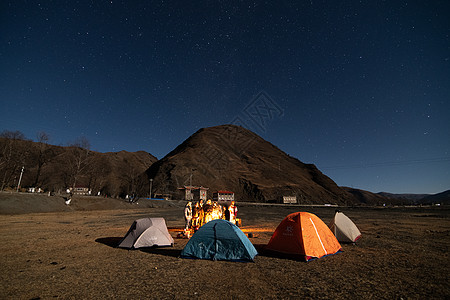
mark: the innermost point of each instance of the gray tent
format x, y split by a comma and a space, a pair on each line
344, 229
147, 232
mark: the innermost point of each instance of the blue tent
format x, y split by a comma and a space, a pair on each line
219, 240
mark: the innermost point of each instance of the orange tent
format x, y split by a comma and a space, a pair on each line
305, 235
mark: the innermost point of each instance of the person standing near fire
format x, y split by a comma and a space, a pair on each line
188, 215
207, 212
232, 209
195, 216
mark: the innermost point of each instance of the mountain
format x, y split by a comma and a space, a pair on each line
230, 157
366, 197
225, 157
55, 168
411, 198
442, 198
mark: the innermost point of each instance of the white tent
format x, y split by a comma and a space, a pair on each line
147, 232
344, 229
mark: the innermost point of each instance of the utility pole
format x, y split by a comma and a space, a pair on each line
151, 183
190, 177
20, 179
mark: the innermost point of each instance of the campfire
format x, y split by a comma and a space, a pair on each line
200, 213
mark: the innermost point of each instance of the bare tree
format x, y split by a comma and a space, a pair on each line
131, 177
13, 154
78, 159
13, 135
98, 173
42, 158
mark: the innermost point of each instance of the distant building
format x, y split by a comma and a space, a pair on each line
290, 199
80, 190
191, 193
201, 193
223, 197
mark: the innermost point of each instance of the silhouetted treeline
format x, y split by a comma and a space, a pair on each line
55, 168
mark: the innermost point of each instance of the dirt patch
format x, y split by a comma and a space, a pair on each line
72, 254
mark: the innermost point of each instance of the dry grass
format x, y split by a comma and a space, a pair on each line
71, 255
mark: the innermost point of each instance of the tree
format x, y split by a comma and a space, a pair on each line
78, 160
98, 174
42, 158
12, 135
131, 178
13, 152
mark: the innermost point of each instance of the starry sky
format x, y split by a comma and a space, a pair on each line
359, 88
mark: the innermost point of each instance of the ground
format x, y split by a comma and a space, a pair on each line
70, 254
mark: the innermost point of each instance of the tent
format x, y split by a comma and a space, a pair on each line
219, 240
303, 235
147, 232
344, 229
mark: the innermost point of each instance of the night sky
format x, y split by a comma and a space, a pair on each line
359, 88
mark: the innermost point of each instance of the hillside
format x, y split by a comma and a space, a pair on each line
54, 168
442, 198
366, 197
413, 199
407, 198
226, 157
233, 158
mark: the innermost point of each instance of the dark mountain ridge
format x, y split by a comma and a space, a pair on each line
225, 157
411, 197
233, 158
441, 198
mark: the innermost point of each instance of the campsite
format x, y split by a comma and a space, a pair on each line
402, 254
